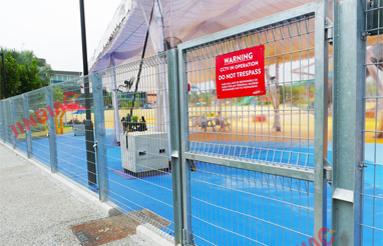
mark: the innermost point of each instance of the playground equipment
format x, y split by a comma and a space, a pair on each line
59, 123
212, 121
260, 118
78, 129
78, 126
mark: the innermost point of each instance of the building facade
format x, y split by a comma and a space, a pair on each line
64, 76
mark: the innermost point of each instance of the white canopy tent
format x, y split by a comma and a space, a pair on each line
176, 21
145, 27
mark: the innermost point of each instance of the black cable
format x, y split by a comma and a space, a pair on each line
142, 60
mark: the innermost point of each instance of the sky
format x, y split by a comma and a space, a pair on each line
51, 28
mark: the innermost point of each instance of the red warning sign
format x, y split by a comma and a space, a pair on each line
241, 73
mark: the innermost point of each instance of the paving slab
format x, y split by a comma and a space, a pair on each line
37, 209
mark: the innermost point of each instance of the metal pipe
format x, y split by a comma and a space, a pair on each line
348, 121
28, 133
89, 137
115, 103
142, 61
53, 160
175, 140
100, 149
321, 118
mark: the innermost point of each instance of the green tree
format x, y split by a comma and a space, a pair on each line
24, 72
107, 97
12, 75
58, 94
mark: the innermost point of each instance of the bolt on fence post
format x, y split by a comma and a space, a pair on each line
12, 116
100, 151
175, 143
28, 135
51, 130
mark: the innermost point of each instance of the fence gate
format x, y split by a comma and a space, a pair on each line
252, 166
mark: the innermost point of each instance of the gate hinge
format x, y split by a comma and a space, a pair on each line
327, 171
329, 31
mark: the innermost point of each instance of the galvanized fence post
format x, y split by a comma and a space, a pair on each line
349, 83
115, 103
6, 124
174, 131
28, 135
187, 235
99, 118
51, 130
321, 118
3, 128
12, 116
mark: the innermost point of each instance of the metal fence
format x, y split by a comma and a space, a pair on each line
148, 194
243, 205
372, 193
263, 170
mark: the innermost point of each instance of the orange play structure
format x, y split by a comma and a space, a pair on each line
59, 122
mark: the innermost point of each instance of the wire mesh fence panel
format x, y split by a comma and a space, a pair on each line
234, 205
4, 121
7, 117
18, 117
10, 133
37, 122
277, 127
135, 97
372, 196
75, 152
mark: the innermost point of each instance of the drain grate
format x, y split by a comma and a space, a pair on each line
102, 231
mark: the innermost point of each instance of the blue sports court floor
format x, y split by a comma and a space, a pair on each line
229, 206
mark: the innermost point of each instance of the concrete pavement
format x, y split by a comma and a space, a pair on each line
37, 209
